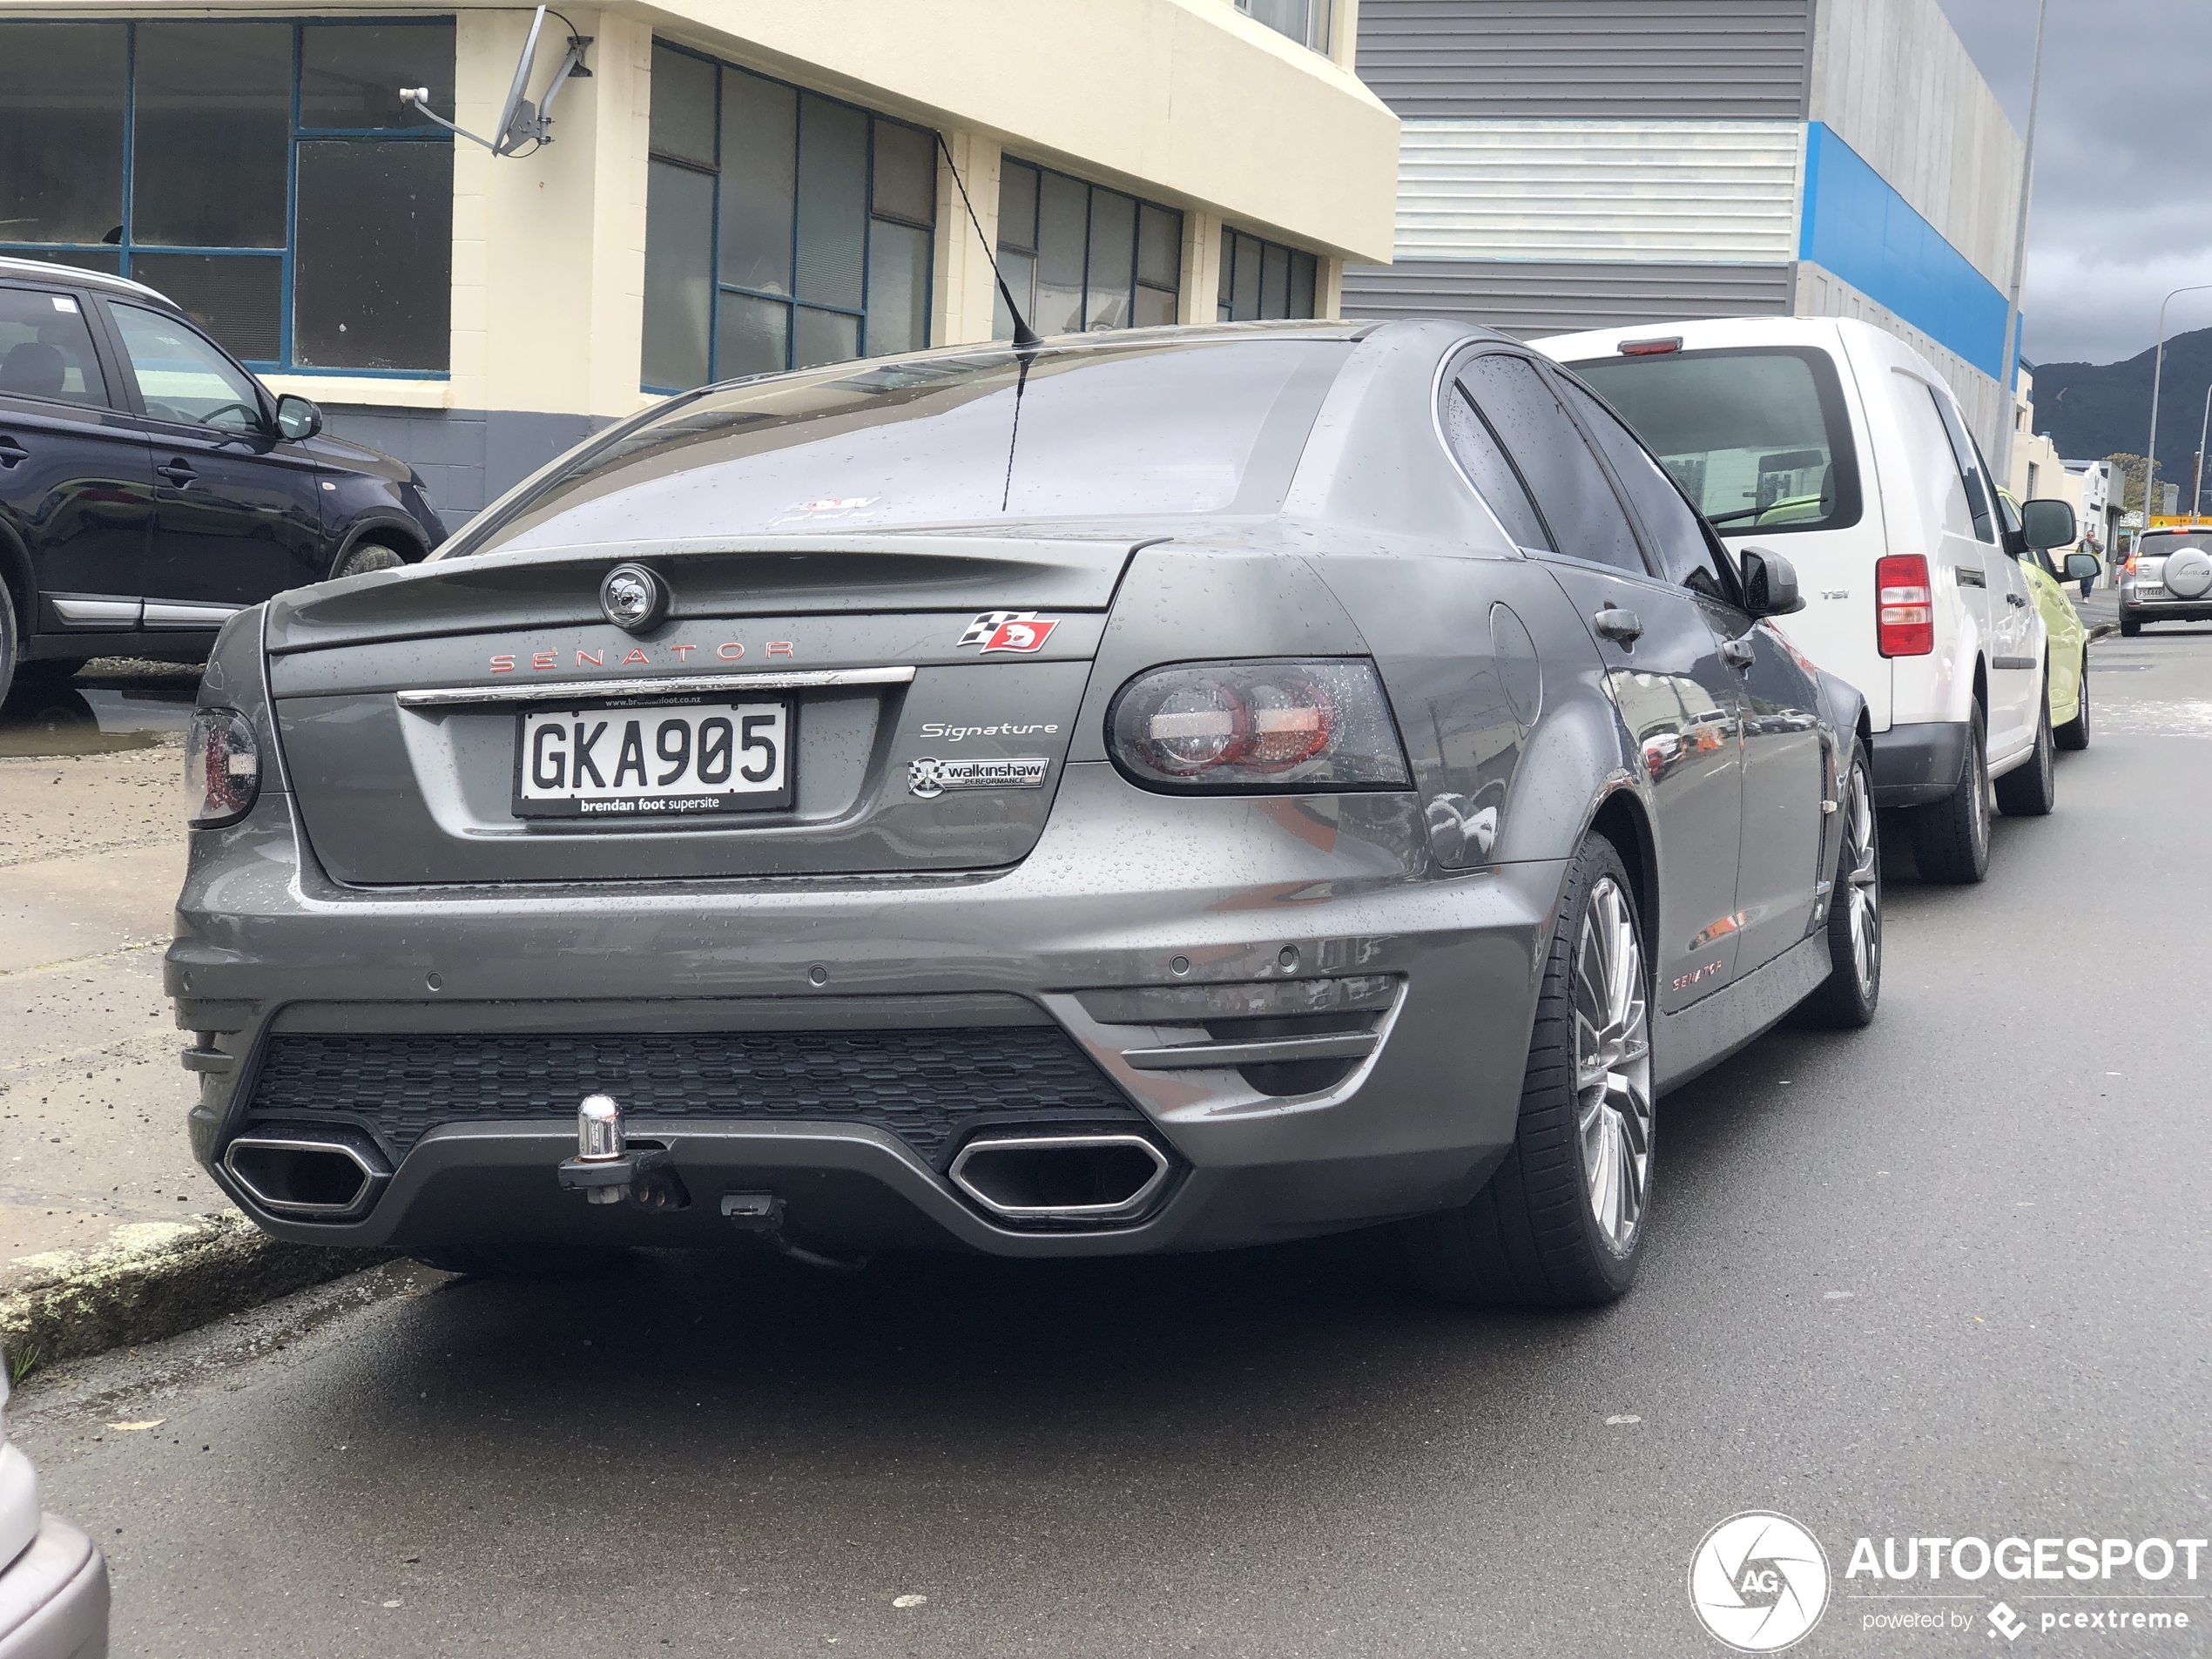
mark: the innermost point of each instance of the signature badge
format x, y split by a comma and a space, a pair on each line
929, 777
1010, 631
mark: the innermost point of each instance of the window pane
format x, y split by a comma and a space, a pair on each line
1227, 296
181, 377
1017, 205
1669, 525
1304, 271
751, 337
1021, 273
61, 130
1113, 260
1243, 300
1491, 473
898, 288
110, 263
906, 173
1159, 247
1154, 309
683, 118
679, 275
832, 202
237, 298
372, 268
819, 337
1064, 206
214, 119
1274, 282
760, 181
46, 350
351, 76
1578, 503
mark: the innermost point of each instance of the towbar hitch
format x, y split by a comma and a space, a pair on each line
606, 1169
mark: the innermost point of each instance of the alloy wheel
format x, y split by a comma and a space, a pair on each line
1862, 880
1612, 1065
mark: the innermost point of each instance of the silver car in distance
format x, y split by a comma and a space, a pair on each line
1160, 791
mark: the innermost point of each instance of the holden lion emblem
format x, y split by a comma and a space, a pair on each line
633, 597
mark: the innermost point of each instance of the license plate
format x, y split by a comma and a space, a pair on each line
654, 761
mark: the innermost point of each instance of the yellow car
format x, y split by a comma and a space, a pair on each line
2067, 685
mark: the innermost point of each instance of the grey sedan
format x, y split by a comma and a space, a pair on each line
1151, 792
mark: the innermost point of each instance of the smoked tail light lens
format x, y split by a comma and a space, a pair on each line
1903, 607
1303, 726
222, 768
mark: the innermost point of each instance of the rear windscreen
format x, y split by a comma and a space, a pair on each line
1143, 429
2157, 547
1758, 437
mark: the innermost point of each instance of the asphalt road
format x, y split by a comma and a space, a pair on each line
1946, 1278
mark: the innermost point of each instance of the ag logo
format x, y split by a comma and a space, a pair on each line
1758, 1582
1016, 630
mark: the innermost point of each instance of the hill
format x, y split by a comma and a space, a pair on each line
2092, 410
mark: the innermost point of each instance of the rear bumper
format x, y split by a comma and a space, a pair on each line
267, 947
1915, 765
54, 1598
2164, 610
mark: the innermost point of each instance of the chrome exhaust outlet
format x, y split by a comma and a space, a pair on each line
308, 1175
1060, 1177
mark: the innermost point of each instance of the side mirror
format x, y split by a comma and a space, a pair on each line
2081, 567
2046, 524
1769, 584
297, 417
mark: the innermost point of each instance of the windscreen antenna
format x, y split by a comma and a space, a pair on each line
523, 126
1025, 338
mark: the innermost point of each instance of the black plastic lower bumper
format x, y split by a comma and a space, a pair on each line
1914, 764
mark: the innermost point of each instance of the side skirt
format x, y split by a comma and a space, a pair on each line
1707, 1032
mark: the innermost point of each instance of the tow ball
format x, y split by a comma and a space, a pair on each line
606, 1169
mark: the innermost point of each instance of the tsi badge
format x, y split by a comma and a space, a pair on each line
930, 777
1017, 630
1758, 1582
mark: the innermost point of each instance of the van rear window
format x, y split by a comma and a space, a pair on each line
1757, 436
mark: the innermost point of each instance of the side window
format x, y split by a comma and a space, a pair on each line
46, 350
181, 377
1477, 450
1570, 488
1970, 472
1676, 533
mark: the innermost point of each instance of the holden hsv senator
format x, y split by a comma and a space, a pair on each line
1158, 793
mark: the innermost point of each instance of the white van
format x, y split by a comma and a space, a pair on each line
1837, 445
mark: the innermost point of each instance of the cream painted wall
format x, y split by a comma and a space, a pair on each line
964, 283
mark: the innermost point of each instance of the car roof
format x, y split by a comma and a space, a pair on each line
47, 271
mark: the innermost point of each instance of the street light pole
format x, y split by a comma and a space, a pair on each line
2204, 428
2007, 370
2157, 369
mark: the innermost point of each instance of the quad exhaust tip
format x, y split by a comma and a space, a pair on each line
1060, 1177
308, 1176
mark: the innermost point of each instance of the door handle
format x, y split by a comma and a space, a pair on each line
1615, 623
177, 472
1738, 653
11, 452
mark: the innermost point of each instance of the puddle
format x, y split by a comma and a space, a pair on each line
106, 706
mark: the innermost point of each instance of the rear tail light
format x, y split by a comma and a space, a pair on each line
1904, 609
222, 768
1648, 347
1258, 728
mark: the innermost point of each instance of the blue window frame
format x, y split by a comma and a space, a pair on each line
261, 172
783, 229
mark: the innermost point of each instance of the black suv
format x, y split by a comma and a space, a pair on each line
150, 486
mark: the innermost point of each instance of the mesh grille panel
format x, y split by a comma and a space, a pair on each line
929, 1087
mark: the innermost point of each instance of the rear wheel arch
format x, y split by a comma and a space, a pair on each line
396, 533
23, 585
1622, 819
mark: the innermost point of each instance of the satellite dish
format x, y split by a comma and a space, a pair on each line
523, 126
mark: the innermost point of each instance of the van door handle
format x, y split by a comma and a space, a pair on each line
177, 472
1738, 653
11, 452
1615, 623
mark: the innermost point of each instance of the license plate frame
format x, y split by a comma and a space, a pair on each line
604, 728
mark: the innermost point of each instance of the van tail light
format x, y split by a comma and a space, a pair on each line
1904, 609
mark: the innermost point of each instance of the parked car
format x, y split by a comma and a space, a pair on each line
2048, 580
1841, 439
53, 1579
1301, 776
150, 486
2166, 578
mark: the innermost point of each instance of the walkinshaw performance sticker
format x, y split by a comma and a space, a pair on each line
929, 777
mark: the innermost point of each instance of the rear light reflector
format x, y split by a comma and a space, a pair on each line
1903, 608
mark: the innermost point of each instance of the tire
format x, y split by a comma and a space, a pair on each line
1847, 998
2074, 734
2129, 627
364, 556
1951, 836
10, 641
1544, 1233
522, 1261
49, 671
2031, 790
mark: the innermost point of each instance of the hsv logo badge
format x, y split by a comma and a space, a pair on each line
1015, 631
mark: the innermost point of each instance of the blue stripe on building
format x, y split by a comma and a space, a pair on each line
1858, 227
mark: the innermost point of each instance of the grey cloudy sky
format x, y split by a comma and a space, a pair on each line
2123, 199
